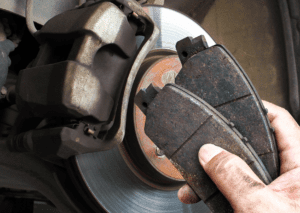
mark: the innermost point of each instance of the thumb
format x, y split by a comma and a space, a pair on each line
233, 177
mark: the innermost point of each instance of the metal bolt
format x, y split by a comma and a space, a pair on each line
135, 14
90, 131
159, 152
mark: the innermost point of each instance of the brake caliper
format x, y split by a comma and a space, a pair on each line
86, 65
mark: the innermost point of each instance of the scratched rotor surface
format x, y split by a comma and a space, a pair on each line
107, 176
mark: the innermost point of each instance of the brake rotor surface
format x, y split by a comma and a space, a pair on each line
112, 182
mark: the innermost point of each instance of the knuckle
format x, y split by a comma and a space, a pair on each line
228, 163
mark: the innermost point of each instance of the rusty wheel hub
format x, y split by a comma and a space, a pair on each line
142, 156
160, 73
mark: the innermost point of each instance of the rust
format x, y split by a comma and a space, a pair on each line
159, 73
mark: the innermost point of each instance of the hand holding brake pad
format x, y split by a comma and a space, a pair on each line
179, 123
215, 76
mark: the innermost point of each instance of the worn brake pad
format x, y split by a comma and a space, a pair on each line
214, 75
179, 123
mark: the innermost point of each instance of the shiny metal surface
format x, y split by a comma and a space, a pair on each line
174, 26
43, 10
106, 175
117, 189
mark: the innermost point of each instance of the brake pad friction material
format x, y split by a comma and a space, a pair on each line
214, 75
180, 123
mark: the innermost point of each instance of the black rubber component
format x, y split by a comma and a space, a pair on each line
214, 75
179, 123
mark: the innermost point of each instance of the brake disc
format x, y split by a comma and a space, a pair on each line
111, 180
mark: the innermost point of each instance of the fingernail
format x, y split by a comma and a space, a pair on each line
208, 151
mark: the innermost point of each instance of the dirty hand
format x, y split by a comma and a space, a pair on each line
239, 184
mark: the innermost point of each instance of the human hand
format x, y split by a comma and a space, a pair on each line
240, 185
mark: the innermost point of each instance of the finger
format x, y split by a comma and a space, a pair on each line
287, 133
187, 195
233, 177
288, 184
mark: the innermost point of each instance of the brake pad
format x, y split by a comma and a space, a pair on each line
179, 123
214, 75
